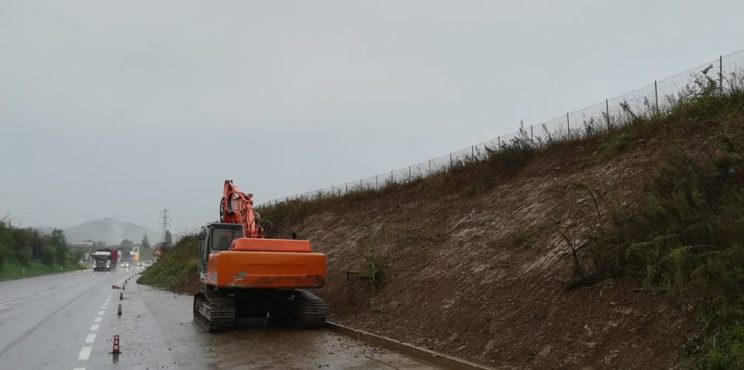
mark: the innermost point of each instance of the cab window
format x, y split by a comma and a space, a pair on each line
221, 238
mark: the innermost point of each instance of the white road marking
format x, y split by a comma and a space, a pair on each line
90, 338
98, 319
94, 327
84, 353
79, 368
100, 312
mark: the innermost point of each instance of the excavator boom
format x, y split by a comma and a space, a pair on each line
236, 207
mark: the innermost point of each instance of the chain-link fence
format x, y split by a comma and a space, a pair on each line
657, 97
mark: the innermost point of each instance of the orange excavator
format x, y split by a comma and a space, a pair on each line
244, 274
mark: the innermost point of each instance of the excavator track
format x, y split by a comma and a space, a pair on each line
214, 311
312, 310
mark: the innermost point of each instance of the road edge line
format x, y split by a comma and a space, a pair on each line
435, 358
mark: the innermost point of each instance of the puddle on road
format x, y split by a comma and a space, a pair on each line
259, 347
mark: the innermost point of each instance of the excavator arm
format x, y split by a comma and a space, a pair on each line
236, 207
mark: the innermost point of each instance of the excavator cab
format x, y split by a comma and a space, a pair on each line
216, 237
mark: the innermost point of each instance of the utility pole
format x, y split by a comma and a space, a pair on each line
164, 223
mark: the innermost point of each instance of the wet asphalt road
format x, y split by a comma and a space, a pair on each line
67, 321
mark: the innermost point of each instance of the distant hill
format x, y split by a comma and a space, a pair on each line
109, 230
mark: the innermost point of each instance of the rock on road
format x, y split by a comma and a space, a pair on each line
68, 320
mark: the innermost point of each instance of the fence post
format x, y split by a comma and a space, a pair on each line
656, 95
392, 180
347, 187
409, 173
450, 160
361, 186
499, 141
430, 167
472, 151
586, 127
532, 134
377, 183
607, 110
568, 125
720, 72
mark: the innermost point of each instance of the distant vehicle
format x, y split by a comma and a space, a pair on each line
125, 264
104, 259
148, 263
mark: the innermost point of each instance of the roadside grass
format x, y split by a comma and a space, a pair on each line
14, 270
177, 268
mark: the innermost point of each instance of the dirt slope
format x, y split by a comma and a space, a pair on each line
484, 276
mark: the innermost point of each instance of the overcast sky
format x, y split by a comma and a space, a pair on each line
119, 108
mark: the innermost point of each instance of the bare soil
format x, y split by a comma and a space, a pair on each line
485, 277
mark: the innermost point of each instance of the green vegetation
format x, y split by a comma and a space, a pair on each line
167, 239
25, 252
177, 268
376, 260
14, 270
683, 235
145, 246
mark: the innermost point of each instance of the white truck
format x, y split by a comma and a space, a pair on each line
105, 259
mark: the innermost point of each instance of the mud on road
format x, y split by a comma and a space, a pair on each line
158, 332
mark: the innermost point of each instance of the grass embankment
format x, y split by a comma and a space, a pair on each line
681, 235
177, 268
14, 270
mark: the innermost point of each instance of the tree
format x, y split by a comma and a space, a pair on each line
58, 245
125, 247
27, 246
43, 248
145, 242
22, 245
168, 239
5, 240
